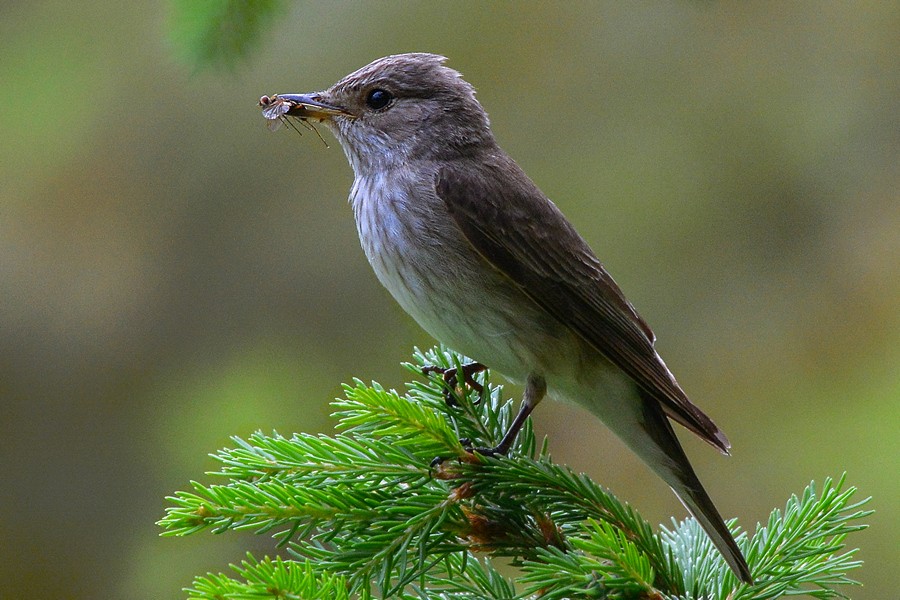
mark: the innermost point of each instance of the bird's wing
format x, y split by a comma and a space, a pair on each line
509, 221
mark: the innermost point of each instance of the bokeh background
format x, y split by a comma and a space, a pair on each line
172, 273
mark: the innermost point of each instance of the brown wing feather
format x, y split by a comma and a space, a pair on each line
509, 221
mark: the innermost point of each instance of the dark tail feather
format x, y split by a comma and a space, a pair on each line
684, 482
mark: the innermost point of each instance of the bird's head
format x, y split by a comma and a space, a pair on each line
396, 109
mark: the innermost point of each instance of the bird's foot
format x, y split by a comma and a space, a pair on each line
435, 466
500, 449
452, 379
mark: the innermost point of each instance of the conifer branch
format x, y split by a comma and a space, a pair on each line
364, 513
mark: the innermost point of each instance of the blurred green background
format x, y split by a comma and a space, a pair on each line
171, 273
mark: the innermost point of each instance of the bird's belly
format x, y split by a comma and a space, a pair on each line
464, 306
474, 309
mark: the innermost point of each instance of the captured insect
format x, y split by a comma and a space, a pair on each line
275, 109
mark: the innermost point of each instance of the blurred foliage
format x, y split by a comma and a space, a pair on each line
162, 254
209, 33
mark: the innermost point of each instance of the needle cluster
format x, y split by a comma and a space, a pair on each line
369, 513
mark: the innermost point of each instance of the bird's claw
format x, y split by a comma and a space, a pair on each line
489, 452
451, 379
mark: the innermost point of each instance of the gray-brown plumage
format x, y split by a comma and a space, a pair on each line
474, 251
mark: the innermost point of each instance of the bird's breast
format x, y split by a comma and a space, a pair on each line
423, 259
416, 250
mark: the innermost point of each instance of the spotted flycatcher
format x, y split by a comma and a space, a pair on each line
486, 263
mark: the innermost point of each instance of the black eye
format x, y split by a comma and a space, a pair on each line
378, 99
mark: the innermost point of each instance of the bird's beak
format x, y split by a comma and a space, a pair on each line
310, 106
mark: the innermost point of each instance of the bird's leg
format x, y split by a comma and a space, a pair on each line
535, 390
451, 378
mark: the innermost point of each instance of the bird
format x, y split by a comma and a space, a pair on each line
481, 259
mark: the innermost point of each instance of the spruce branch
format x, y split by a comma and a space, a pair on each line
365, 513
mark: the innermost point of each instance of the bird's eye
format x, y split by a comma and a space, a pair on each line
378, 99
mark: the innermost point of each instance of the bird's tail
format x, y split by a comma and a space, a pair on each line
675, 469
